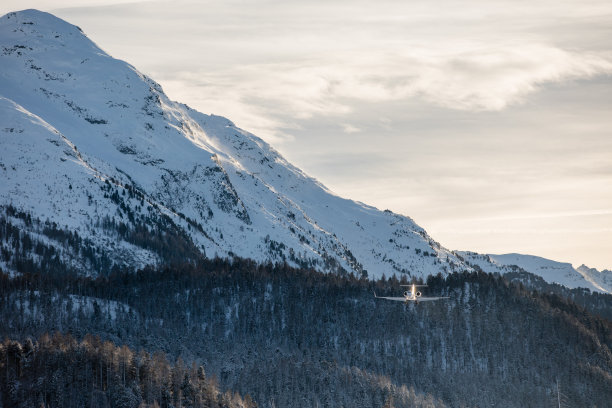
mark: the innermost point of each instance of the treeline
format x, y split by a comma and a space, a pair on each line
31, 245
59, 371
299, 338
596, 303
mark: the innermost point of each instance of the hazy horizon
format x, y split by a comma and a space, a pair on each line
487, 123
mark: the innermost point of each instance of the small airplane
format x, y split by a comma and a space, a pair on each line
411, 296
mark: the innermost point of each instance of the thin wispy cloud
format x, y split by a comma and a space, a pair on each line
348, 128
15, 5
270, 97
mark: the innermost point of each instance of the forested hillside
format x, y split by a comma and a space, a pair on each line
58, 371
292, 338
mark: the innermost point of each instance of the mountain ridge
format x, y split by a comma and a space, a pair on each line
551, 271
244, 197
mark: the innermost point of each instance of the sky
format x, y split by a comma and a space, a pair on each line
488, 122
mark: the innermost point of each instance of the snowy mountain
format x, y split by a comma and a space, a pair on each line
551, 271
601, 279
100, 169
95, 149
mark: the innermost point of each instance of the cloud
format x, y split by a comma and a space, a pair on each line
272, 66
493, 79
273, 97
348, 128
15, 5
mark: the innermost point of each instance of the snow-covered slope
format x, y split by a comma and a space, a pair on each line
601, 279
96, 148
551, 271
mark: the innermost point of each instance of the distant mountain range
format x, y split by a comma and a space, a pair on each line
562, 273
100, 170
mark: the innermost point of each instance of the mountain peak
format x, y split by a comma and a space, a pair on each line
38, 26
112, 155
34, 16
39, 22
551, 271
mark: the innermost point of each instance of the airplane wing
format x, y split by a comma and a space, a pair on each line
403, 299
399, 299
425, 299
